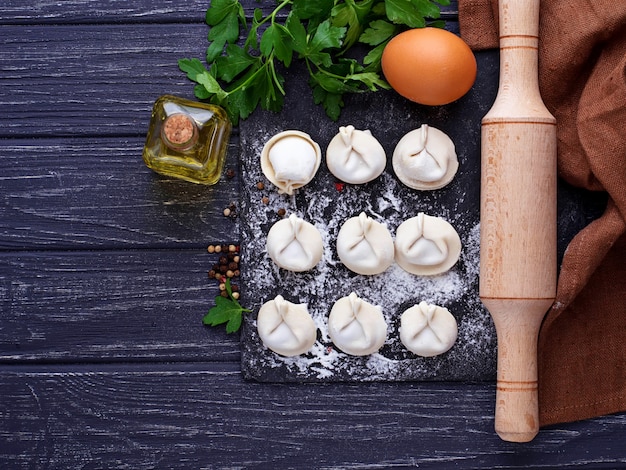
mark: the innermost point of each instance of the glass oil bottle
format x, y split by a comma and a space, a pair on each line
187, 140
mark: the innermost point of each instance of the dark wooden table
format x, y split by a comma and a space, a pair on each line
104, 362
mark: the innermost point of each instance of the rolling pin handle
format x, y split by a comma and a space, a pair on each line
517, 327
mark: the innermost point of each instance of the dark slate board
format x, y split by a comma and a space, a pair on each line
388, 117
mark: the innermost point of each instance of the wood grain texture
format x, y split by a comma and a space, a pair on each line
127, 11
85, 193
109, 306
205, 416
96, 80
103, 360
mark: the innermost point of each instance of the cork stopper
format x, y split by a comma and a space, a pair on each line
179, 131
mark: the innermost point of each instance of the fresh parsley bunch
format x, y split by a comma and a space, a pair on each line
242, 77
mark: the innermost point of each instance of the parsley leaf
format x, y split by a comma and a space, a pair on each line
354, 16
227, 310
241, 78
331, 102
229, 66
400, 11
317, 10
325, 37
196, 72
297, 32
276, 39
223, 17
378, 32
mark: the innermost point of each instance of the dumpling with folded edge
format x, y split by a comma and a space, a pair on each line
294, 244
428, 330
290, 160
427, 245
357, 327
285, 327
425, 159
355, 156
364, 245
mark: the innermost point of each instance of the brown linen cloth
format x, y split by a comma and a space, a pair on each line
582, 78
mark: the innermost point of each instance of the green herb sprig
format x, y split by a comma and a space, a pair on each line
241, 78
226, 310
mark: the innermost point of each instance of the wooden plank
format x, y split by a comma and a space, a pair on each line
110, 306
68, 80
101, 11
131, 11
206, 416
96, 192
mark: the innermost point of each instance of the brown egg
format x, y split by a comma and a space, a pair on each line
430, 66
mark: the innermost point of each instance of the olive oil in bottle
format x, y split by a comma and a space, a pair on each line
187, 140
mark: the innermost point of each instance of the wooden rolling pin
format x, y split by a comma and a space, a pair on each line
518, 219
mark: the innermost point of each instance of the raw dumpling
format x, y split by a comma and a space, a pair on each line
425, 158
286, 328
428, 330
427, 245
357, 327
290, 160
355, 156
364, 245
294, 244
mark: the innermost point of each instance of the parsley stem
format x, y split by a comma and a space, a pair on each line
266, 65
282, 5
272, 16
275, 76
326, 72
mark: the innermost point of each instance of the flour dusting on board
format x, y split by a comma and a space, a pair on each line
327, 204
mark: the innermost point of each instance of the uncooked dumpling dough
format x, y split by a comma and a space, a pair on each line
286, 328
355, 156
427, 329
357, 327
427, 245
364, 245
294, 244
425, 158
290, 160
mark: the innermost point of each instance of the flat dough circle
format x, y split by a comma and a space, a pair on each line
364, 245
428, 330
286, 328
355, 156
294, 244
290, 160
357, 327
425, 159
427, 245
